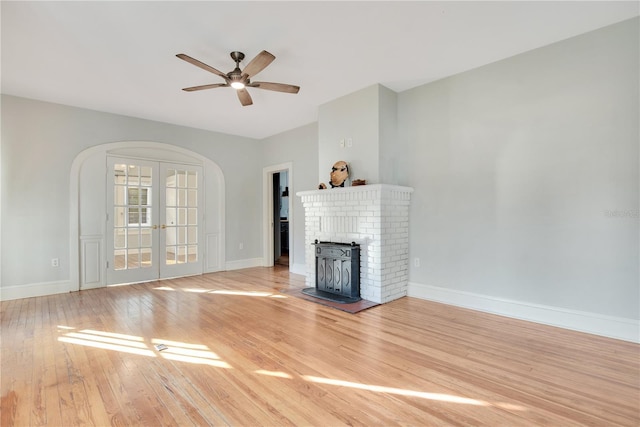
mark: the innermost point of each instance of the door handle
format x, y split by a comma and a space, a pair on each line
155, 227
163, 226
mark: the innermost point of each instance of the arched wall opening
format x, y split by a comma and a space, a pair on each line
88, 210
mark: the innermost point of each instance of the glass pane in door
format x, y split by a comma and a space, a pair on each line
133, 217
181, 215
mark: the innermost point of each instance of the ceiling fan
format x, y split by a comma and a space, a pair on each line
240, 79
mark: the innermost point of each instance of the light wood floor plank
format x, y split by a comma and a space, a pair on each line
242, 353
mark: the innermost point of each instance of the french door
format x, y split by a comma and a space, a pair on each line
154, 220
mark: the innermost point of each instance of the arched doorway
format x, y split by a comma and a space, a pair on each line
91, 230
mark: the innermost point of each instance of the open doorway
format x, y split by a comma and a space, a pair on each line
281, 218
278, 215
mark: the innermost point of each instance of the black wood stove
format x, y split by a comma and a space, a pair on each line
337, 272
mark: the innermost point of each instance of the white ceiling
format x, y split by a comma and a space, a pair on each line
119, 57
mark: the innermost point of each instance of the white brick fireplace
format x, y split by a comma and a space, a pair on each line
374, 216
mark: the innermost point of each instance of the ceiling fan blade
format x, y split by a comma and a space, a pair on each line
202, 87
258, 63
201, 65
244, 97
278, 87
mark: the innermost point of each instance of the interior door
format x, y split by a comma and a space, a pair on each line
181, 201
153, 227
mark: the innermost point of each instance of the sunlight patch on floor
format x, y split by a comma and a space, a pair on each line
243, 293
90, 341
113, 335
90, 337
449, 398
179, 344
116, 285
192, 353
224, 292
173, 350
273, 373
175, 355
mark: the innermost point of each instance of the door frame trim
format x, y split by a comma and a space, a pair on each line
209, 167
267, 211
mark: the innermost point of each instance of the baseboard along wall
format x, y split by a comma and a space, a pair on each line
592, 323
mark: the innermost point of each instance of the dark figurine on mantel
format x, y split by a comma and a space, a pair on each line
339, 175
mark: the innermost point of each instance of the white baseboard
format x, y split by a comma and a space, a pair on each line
593, 323
244, 263
298, 269
35, 290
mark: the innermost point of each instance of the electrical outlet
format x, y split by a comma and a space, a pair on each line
241, 246
349, 142
342, 143
416, 262
55, 262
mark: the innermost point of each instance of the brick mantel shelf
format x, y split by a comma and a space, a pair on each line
374, 216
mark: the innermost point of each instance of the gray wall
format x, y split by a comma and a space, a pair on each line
367, 121
354, 116
393, 151
300, 147
40, 141
526, 176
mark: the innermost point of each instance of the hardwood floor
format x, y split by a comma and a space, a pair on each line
283, 259
241, 353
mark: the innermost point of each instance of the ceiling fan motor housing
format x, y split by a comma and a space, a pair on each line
236, 76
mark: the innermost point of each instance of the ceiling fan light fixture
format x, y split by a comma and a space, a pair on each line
241, 79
